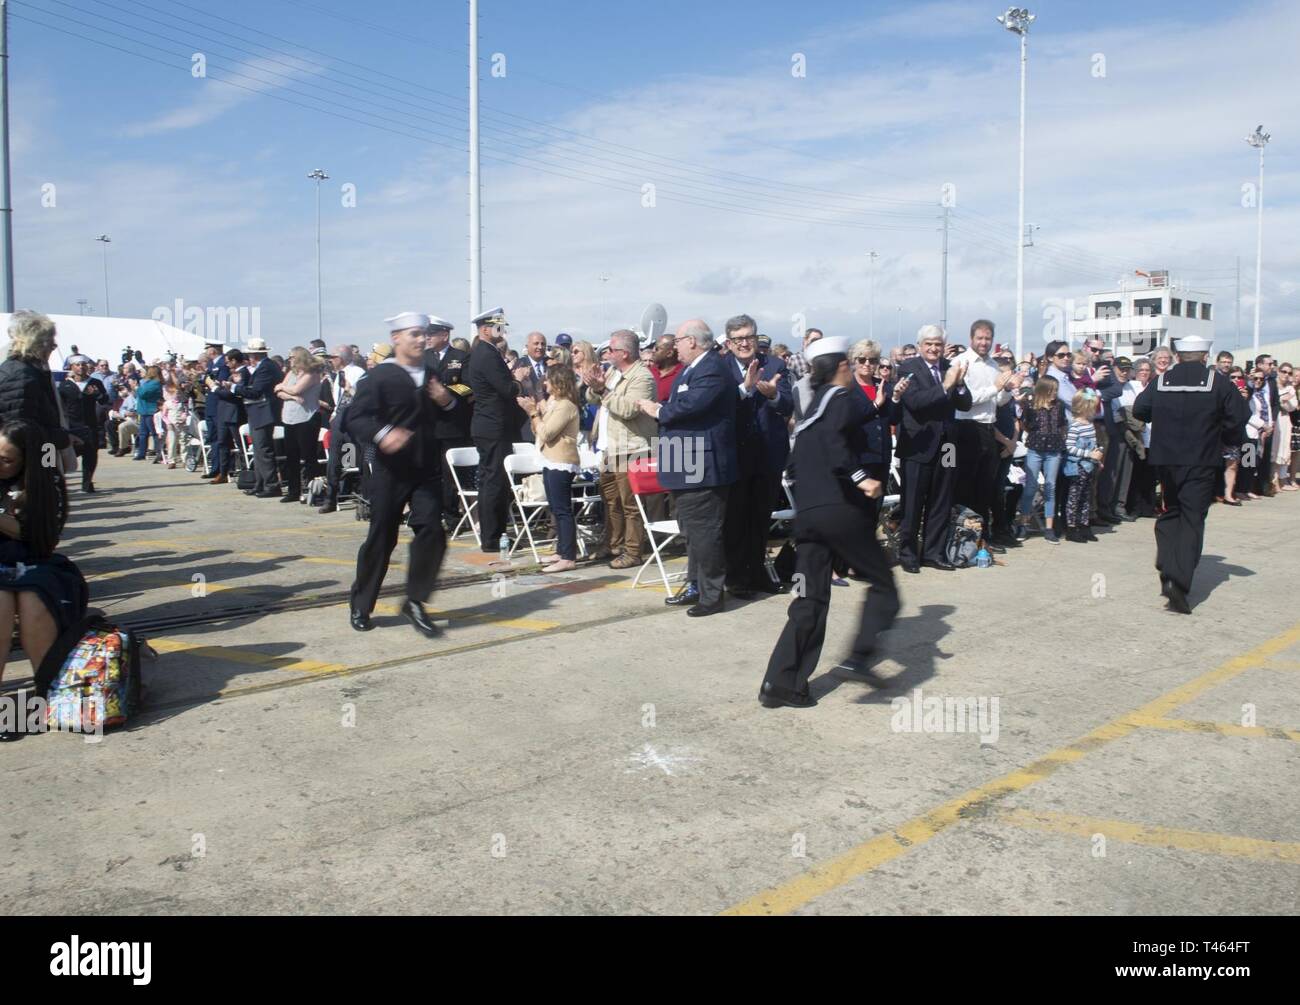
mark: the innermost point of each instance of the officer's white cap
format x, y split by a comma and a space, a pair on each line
1193, 343
825, 347
407, 319
437, 322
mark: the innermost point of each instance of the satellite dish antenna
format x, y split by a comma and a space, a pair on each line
654, 321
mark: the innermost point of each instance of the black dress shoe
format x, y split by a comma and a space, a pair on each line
290, 497
1177, 599
704, 610
771, 588
328, 506
267, 494
911, 567
686, 596
995, 547
361, 622
855, 668
414, 612
940, 564
771, 696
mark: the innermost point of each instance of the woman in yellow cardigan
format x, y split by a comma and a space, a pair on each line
555, 431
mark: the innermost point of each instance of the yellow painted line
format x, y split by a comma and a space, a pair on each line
1213, 728
1204, 842
1281, 664
527, 624
821, 879
249, 657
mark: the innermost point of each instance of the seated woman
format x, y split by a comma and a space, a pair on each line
44, 591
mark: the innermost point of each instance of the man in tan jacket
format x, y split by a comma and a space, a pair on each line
623, 432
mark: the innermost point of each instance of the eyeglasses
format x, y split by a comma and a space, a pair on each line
867, 359
743, 338
1062, 355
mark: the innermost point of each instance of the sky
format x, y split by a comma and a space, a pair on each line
723, 157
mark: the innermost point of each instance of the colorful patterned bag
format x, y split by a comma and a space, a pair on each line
96, 684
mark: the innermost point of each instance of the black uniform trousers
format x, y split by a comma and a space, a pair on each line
977, 468
493, 490
1180, 529
389, 496
927, 495
823, 536
88, 454
1142, 489
268, 477
748, 519
701, 514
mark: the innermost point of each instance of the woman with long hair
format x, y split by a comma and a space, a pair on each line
148, 399
1045, 425
45, 592
300, 416
555, 431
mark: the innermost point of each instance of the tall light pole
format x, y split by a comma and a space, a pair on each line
604, 320
475, 204
318, 176
108, 311
81, 307
1259, 139
6, 206
871, 274
900, 328
1018, 20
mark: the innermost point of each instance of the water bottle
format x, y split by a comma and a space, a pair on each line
982, 557
503, 549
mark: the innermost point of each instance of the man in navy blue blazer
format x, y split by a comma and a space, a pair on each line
927, 446
764, 404
697, 462
262, 406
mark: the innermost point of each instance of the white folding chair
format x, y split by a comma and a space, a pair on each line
586, 496
464, 457
523, 465
896, 473
525, 449
201, 434
786, 513
246, 444
643, 476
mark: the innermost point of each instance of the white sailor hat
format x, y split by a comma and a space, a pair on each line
496, 316
437, 322
1193, 343
405, 320
79, 358
825, 347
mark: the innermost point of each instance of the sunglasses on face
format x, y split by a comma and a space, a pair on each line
1061, 355
867, 359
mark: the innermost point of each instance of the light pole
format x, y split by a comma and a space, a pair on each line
1259, 139
475, 202
81, 307
108, 311
6, 205
871, 274
604, 320
1018, 20
318, 176
900, 327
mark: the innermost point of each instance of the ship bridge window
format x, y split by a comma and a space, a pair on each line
1106, 309
1147, 306
1191, 308
1205, 312
1175, 306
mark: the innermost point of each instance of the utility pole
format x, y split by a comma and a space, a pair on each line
318, 176
6, 205
475, 205
871, 272
1018, 20
943, 276
81, 307
1259, 139
108, 311
900, 328
604, 320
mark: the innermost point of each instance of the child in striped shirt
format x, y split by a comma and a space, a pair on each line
1082, 462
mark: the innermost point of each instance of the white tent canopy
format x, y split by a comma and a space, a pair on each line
105, 338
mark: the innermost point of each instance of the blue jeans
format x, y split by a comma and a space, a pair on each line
559, 497
1050, 466
142, 436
